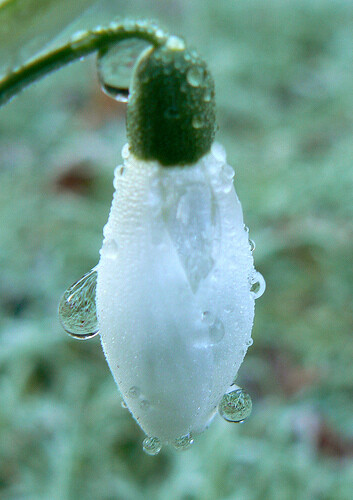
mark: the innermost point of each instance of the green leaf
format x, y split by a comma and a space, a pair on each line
26, 26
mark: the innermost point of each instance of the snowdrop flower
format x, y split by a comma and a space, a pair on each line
176, 282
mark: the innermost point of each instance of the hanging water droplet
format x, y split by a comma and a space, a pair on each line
119, 94
183, 442
134, 392
197, 121
249, 342
235, 406
115, 67
252, 245
195, 76
151, 445
228, 172
258, 285
77, 307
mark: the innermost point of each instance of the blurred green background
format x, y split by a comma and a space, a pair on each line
284, 80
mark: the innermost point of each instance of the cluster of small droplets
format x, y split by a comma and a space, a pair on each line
77, 307
235, 406
151, 445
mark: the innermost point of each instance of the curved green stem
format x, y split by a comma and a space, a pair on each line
80, 45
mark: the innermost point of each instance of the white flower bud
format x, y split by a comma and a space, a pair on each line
174, 304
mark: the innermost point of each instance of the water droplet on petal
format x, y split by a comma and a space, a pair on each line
228, 172
252, 245
249, 342
216, 331
258, 285
151, 445
124, 405
235, 406
77, 307
183, 442
134, 392
145, 404
195, 76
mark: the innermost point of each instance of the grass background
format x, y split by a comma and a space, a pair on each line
284, 81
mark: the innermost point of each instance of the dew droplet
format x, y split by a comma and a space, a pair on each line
216, 331
252, 245
208, 94
175, 43
235, 406
77, 307
115, 67
145, 404
228, 172
134, 392
258, 285
183, 442
195, 76
151, 445
197, 121
124, 405
79, 38
249, 342
160, 34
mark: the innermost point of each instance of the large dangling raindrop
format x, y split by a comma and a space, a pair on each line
77, 307
235, 406
115, 66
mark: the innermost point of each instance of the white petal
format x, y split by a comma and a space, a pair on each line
173, 293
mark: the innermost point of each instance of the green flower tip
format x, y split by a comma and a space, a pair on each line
171, 110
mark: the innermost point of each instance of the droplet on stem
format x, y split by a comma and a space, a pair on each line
195, 76
235, 406
77, 308
115, 66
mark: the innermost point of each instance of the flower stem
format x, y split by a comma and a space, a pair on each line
80, 45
